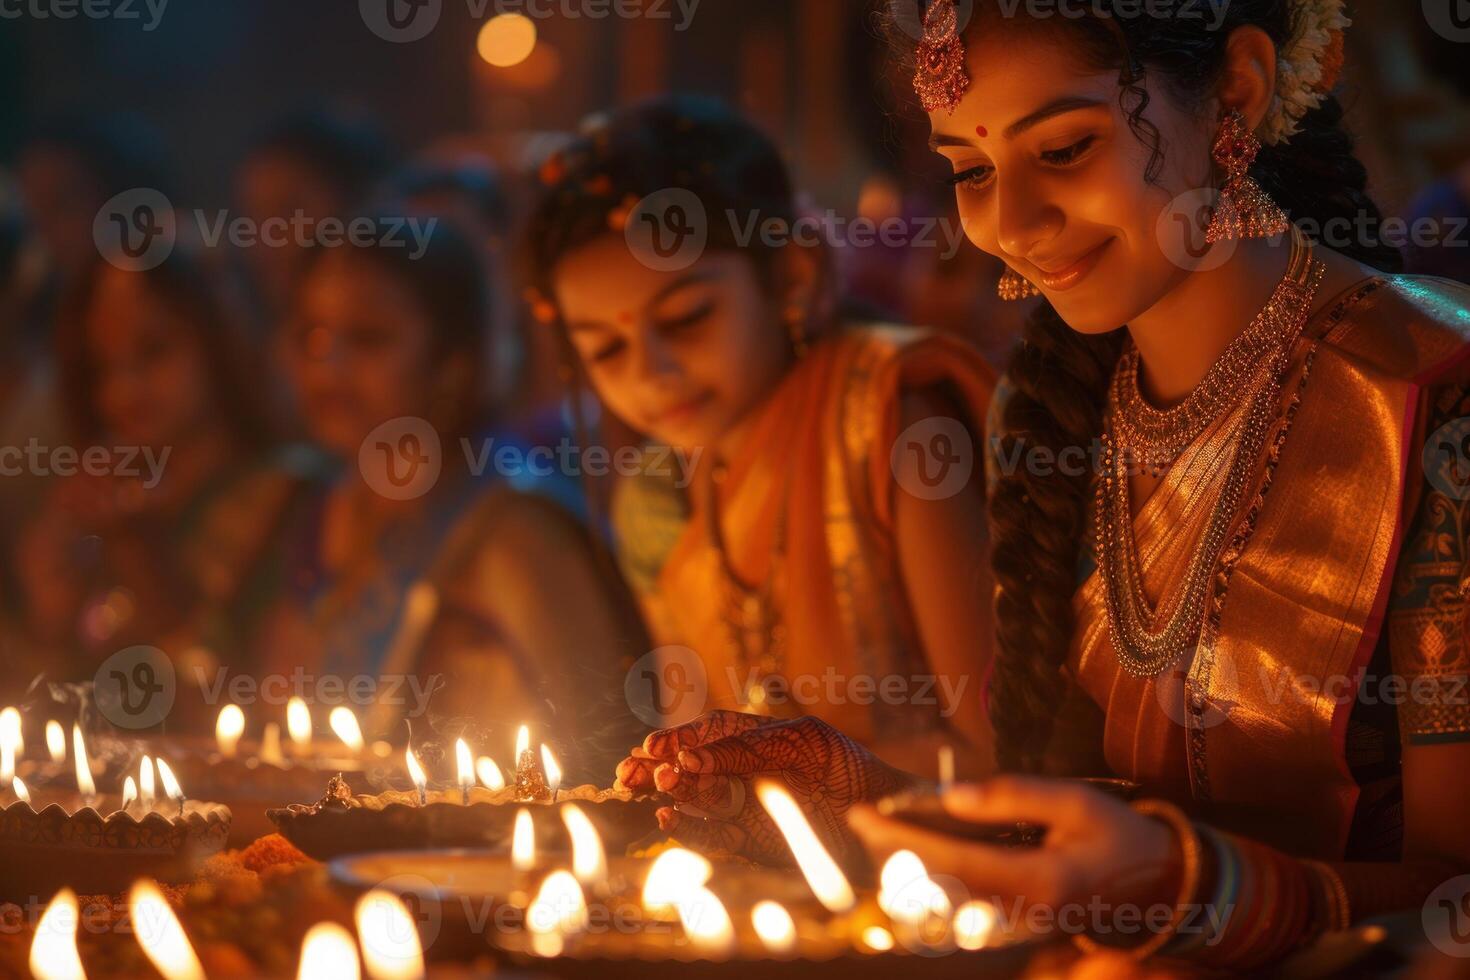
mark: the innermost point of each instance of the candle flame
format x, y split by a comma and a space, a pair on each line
54, 948
228, 729
130, 792
464, 764
559, 907
523, 742
489, 773
705, 920
907, 893
56, 740
589, 860
523, 841
85, 785
329, 951
827, 881
974, 923
391, 948
160, 934
11, 743
298, 722
171, 787
877, 938
774, 926
553, 771
415, 771
145, 783
18, 786
270, 745
671, 876
344, 723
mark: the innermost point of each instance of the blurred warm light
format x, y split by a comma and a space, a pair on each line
489, 773
85, 784
298, 722
18, 787
391, 949
344, 723
506, 40
589, 860
130, 793
270, 745
54, 948
553, 770
171, 788
523, 743
974, 922
559, 906
878, 938
880, 199
56, 740
523, 842
773, 924
827, 881
464, 764
329, 951
671, 876
705, 920
415, 771
160, 934
907, 893
145, 783
11, 743
228, 728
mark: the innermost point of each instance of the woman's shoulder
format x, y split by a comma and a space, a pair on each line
1408, 327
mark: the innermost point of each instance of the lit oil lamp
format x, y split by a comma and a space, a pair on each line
558, 912
85, 784
391, 949
270, 745
706, 922
160, 934
298, 726
228, 729
919, 908
54, 948
416, 774
523, 842
974, 924
171, 787
18, 787
465, 769
530, 777
671, 875
877, 939
145, 784
827, 881
344, 724
56, 741
489, 773
329, 951
553, 771
129, 793
589, 859
774, 925
12, 743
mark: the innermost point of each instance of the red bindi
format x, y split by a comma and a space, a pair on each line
981, 131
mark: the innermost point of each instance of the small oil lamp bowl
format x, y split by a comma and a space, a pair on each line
343, 823
99, 848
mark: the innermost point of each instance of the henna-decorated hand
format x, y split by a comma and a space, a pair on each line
709, 767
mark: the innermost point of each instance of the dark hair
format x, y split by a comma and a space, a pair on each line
348, 152
1058, 377
476, 182
183, 284
121, 151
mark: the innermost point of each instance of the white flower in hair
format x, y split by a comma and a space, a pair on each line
1308, 66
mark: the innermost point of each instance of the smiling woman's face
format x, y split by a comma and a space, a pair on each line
1050, 177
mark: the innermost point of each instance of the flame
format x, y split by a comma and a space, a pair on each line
523, 742
228, 729
907, 893
465, 764
826, 879
11, 743
145, 783
85, 784
171, 787
489, 773
391, 949
523, 841
270, 745
559, 907
415, 771
130, 792
553, 771
946, 766
877, 938
705, 920
974, 922
329, 951
344, 723
56, 740
589, 860
672, 875
298, 722
773, 924
54, 948
18, 787
160, 934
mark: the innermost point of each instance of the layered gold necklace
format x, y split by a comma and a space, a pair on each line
1249, 373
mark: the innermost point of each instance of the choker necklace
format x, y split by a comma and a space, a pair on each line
1250, 372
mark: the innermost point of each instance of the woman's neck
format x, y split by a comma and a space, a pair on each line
1186, 331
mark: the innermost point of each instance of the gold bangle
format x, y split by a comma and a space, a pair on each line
1339, 912
1191, 851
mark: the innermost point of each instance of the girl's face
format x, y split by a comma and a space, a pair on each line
1050, 178
680, 356
359, 352
151, 375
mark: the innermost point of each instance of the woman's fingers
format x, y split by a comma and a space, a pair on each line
635, 773
767, 749
708, 727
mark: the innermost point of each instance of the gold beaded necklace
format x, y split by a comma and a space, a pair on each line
1251, 371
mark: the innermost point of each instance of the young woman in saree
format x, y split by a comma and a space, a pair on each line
1254, 605
788, 559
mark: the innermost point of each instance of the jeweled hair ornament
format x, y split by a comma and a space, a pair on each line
940, 78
